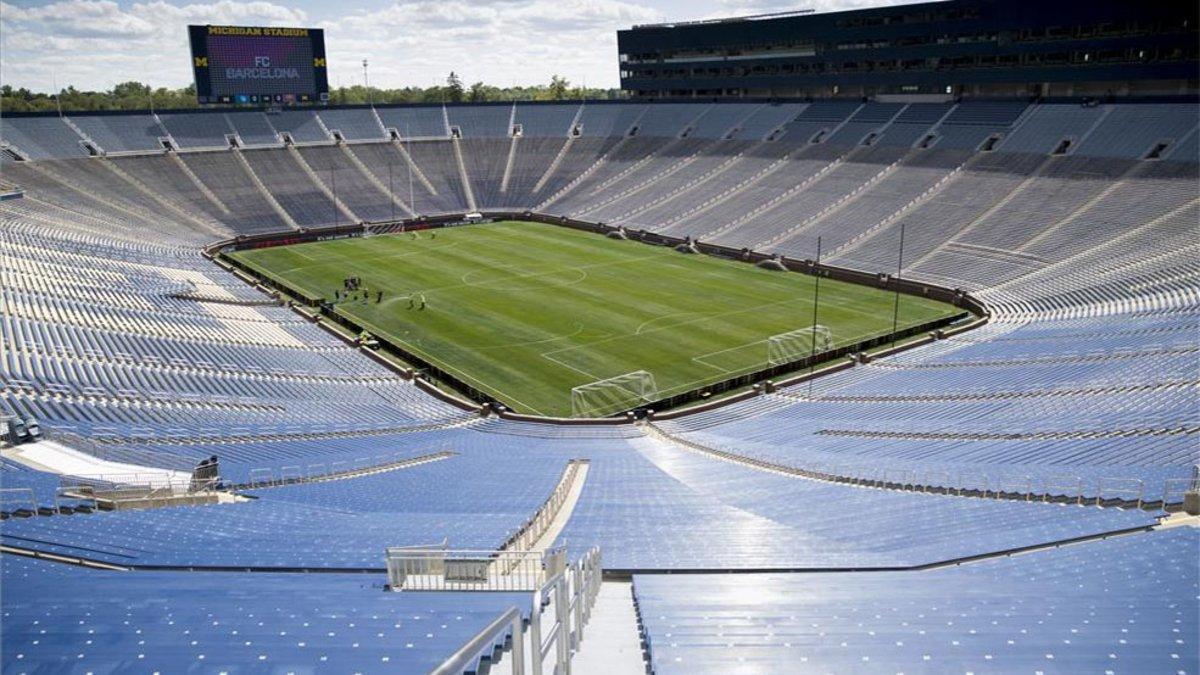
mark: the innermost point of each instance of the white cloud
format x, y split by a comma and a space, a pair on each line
521, 41
93, 44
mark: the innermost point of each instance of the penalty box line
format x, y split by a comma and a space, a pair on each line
699, 319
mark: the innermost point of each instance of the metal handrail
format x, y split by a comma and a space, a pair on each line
533, 529
137, 481
510, 619
77, 496
1174, 489
265, 477
436, 568
1015, 485
574, 590
1133, 487
119, 453
570, 589
20, 496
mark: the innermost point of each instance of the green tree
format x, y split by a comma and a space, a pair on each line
454, 88
559, 86
433, 95
139, 96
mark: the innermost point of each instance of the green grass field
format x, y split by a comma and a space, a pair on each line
527, 311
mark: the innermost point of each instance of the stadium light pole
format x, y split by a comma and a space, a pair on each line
367, 85
58, 99
333, 196
812, 364
411, 204
899, 271
392, 191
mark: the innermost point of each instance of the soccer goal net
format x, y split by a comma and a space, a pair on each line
614, 394
797, 344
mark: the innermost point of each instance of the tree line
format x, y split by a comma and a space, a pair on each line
137, 96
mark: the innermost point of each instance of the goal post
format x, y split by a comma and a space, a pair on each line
614, 394
798, 344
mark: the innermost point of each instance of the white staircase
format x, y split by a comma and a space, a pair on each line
204, 190
325, 189
613, 645
262, 189
362, 169
208, 226
462, 174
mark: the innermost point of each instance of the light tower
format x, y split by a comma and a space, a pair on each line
367, 84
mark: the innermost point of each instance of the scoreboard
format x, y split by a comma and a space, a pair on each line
259, 65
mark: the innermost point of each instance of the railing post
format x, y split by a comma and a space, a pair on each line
535, 634
562, 611
518, 647
577, 599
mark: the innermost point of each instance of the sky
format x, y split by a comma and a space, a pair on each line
93, 44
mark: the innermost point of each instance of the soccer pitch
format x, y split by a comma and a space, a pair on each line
528, 311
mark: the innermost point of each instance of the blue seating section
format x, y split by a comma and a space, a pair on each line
489, 121
303, 126
416, 122
354, 124
16, 476
133, 359
1070, 378
1124, 605
198, 130
641, 509
668, 120
764, 121
253, 128
718, 121
1133, 131
607, 120
122, 133
60, 618
550, 120
343, 524
1083, 385
42, 137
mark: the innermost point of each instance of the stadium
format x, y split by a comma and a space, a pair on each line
844, 342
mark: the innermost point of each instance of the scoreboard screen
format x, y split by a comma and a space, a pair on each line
259, 65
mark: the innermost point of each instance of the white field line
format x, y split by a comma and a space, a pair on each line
448, 367
550, 355
546, 355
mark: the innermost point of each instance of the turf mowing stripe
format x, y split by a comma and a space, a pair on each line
526, 311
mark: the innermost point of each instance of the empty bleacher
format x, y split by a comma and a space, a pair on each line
42, 137
122, 133
224, 175
253, 128
1081, 389
198, 130
220, 621
357, 124
1133, 606
291, 186
416, 122
302, 125
551, 120
474, 121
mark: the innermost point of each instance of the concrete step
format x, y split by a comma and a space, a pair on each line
612, 644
